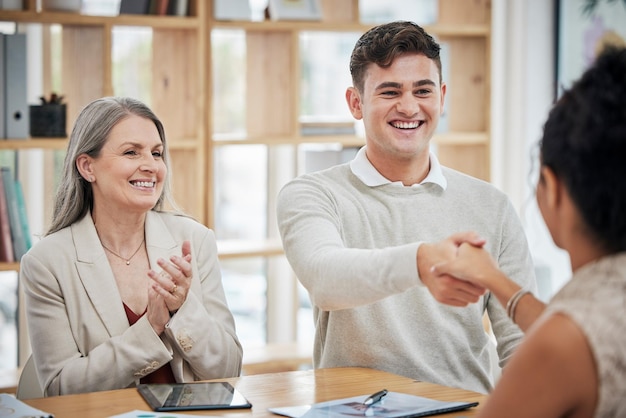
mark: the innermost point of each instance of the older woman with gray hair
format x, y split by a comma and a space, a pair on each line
120, 291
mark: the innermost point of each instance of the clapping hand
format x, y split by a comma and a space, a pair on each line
169, 288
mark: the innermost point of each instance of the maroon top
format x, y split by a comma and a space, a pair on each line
162, 375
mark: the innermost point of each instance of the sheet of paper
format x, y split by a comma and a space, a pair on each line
291, 411
151, 414
11, 407
394, 405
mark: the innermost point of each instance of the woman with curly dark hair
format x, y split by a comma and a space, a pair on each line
573, 359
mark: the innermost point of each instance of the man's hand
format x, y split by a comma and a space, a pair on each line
446, 288
472, 264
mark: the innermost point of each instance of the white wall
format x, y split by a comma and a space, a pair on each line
523, 73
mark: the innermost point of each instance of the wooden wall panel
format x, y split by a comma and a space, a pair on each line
469, 159
175, 94
83, 68
467, 96
270, 87
464, 11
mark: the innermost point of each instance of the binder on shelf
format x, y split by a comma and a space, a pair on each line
11, 4
6, 244
17, 233
15, 99
135, 7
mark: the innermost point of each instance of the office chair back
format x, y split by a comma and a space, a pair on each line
28, 386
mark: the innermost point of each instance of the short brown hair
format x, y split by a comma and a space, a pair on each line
382, 44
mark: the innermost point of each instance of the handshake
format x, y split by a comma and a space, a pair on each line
456, 270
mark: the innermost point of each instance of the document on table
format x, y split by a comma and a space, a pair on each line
151, 414
393, 405
11, 407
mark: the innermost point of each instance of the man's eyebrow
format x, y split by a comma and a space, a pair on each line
425, 82
388, 84
395, 85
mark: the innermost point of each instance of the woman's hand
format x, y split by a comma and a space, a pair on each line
472, 264
173, 282
157, 312
445, 287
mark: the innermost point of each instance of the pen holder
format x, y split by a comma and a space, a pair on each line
48, 120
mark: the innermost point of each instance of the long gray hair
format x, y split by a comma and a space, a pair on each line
74, 197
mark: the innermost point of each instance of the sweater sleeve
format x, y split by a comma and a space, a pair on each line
335, 276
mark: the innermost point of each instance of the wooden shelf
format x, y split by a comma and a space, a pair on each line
321, 26
345, 140
15, 266
61, 144
462, 138
29, 143
77, 19
183, 89
226, 249
244, 248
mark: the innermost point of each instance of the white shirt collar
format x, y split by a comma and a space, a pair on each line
367, 173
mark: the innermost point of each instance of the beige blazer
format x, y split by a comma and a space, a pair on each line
78, 329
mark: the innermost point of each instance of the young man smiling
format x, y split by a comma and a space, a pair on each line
362, 237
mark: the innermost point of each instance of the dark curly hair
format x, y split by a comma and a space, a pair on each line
584, 143
382, 44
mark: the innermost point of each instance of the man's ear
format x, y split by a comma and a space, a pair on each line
353, 97
83, 165
444, 88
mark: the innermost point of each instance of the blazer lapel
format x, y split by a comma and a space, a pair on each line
159, 241
95, 271
97, 277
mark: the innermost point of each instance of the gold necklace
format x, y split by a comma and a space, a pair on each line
126, 260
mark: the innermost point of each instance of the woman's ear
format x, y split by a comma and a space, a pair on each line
83, 165
553, 187
354, 102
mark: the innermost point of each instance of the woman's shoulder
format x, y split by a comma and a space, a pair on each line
57, 240
180, 222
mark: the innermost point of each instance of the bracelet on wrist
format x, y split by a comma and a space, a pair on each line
511, 305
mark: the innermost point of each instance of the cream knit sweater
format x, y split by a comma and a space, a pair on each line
353, 247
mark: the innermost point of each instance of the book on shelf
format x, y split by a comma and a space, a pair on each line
232, 10
161, 7
21, 205
17, 232
178, 7
6, 243
295, 9
2, 84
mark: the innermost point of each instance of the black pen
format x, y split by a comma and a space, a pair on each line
377, 397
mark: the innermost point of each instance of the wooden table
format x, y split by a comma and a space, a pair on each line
268, 390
